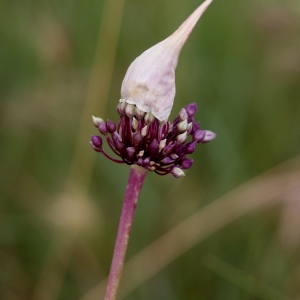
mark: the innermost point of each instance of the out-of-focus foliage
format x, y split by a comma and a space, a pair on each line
241, 65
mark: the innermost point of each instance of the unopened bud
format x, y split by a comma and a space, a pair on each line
167, 161
181, 138
182, 126
191, 109
144, 131
120, 146
96, 141
198, 136
146, 162
153, 148
186, 163
102, 128
134, 123
149, 118
121, 107
177, 172
116, 137
129, 110
130, 151
162, 144
209, 136
137, 139
190, 148
110, 126
97, 121
183, 115
139, 161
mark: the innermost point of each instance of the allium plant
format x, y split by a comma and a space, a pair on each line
144, 137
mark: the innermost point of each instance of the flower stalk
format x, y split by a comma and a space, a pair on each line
135, 182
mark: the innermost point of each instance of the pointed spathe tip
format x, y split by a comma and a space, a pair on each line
183, 32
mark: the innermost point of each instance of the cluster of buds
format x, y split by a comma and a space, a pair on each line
141, 139
144, 136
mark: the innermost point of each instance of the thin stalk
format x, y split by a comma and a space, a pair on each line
135, 182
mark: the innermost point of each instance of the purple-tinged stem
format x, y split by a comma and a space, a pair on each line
135, 182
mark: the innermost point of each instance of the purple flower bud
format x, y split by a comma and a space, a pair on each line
167, 161
96, 142
137, 139
139, 161
196, 126
209, 136
146, 163
191, 109
190, 147
183, 114
153, 148
116, 137
180, 150
186, 163
177, 172
121, 108
110, 126
120, 146
198, 136
130, 152
102, 128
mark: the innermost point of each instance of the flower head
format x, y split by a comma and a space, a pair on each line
143, 135
140, 138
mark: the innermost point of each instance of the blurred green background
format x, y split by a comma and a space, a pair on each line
62, 61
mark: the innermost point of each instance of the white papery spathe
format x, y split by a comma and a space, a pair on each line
149, 82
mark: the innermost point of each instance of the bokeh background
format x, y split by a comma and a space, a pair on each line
229, 230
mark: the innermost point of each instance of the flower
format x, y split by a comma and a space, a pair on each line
143, 135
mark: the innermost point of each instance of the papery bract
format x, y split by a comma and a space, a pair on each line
150, 80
